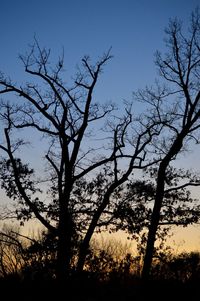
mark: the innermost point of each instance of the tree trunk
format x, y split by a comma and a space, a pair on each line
64, 249
85, 244
160, 186
82, 254
63, 257
154, 223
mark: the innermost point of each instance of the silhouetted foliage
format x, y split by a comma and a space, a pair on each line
110, 271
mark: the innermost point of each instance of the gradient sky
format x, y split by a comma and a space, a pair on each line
133, 28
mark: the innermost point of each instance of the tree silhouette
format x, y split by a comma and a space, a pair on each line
176, 105
70, 204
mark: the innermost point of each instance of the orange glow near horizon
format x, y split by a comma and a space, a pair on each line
184, 239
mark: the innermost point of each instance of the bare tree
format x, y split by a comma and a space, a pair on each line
177, 106
69, 118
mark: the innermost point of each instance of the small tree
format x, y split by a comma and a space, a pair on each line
11, 252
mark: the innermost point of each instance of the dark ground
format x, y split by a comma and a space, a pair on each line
91, 291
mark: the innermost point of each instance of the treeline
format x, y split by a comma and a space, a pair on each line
112, 271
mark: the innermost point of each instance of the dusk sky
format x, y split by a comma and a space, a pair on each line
133, 28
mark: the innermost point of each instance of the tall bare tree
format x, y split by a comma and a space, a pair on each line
69, 118
176, 104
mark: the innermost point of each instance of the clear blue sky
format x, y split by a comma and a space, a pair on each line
134, 29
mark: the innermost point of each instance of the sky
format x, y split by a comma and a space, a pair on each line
133, 28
